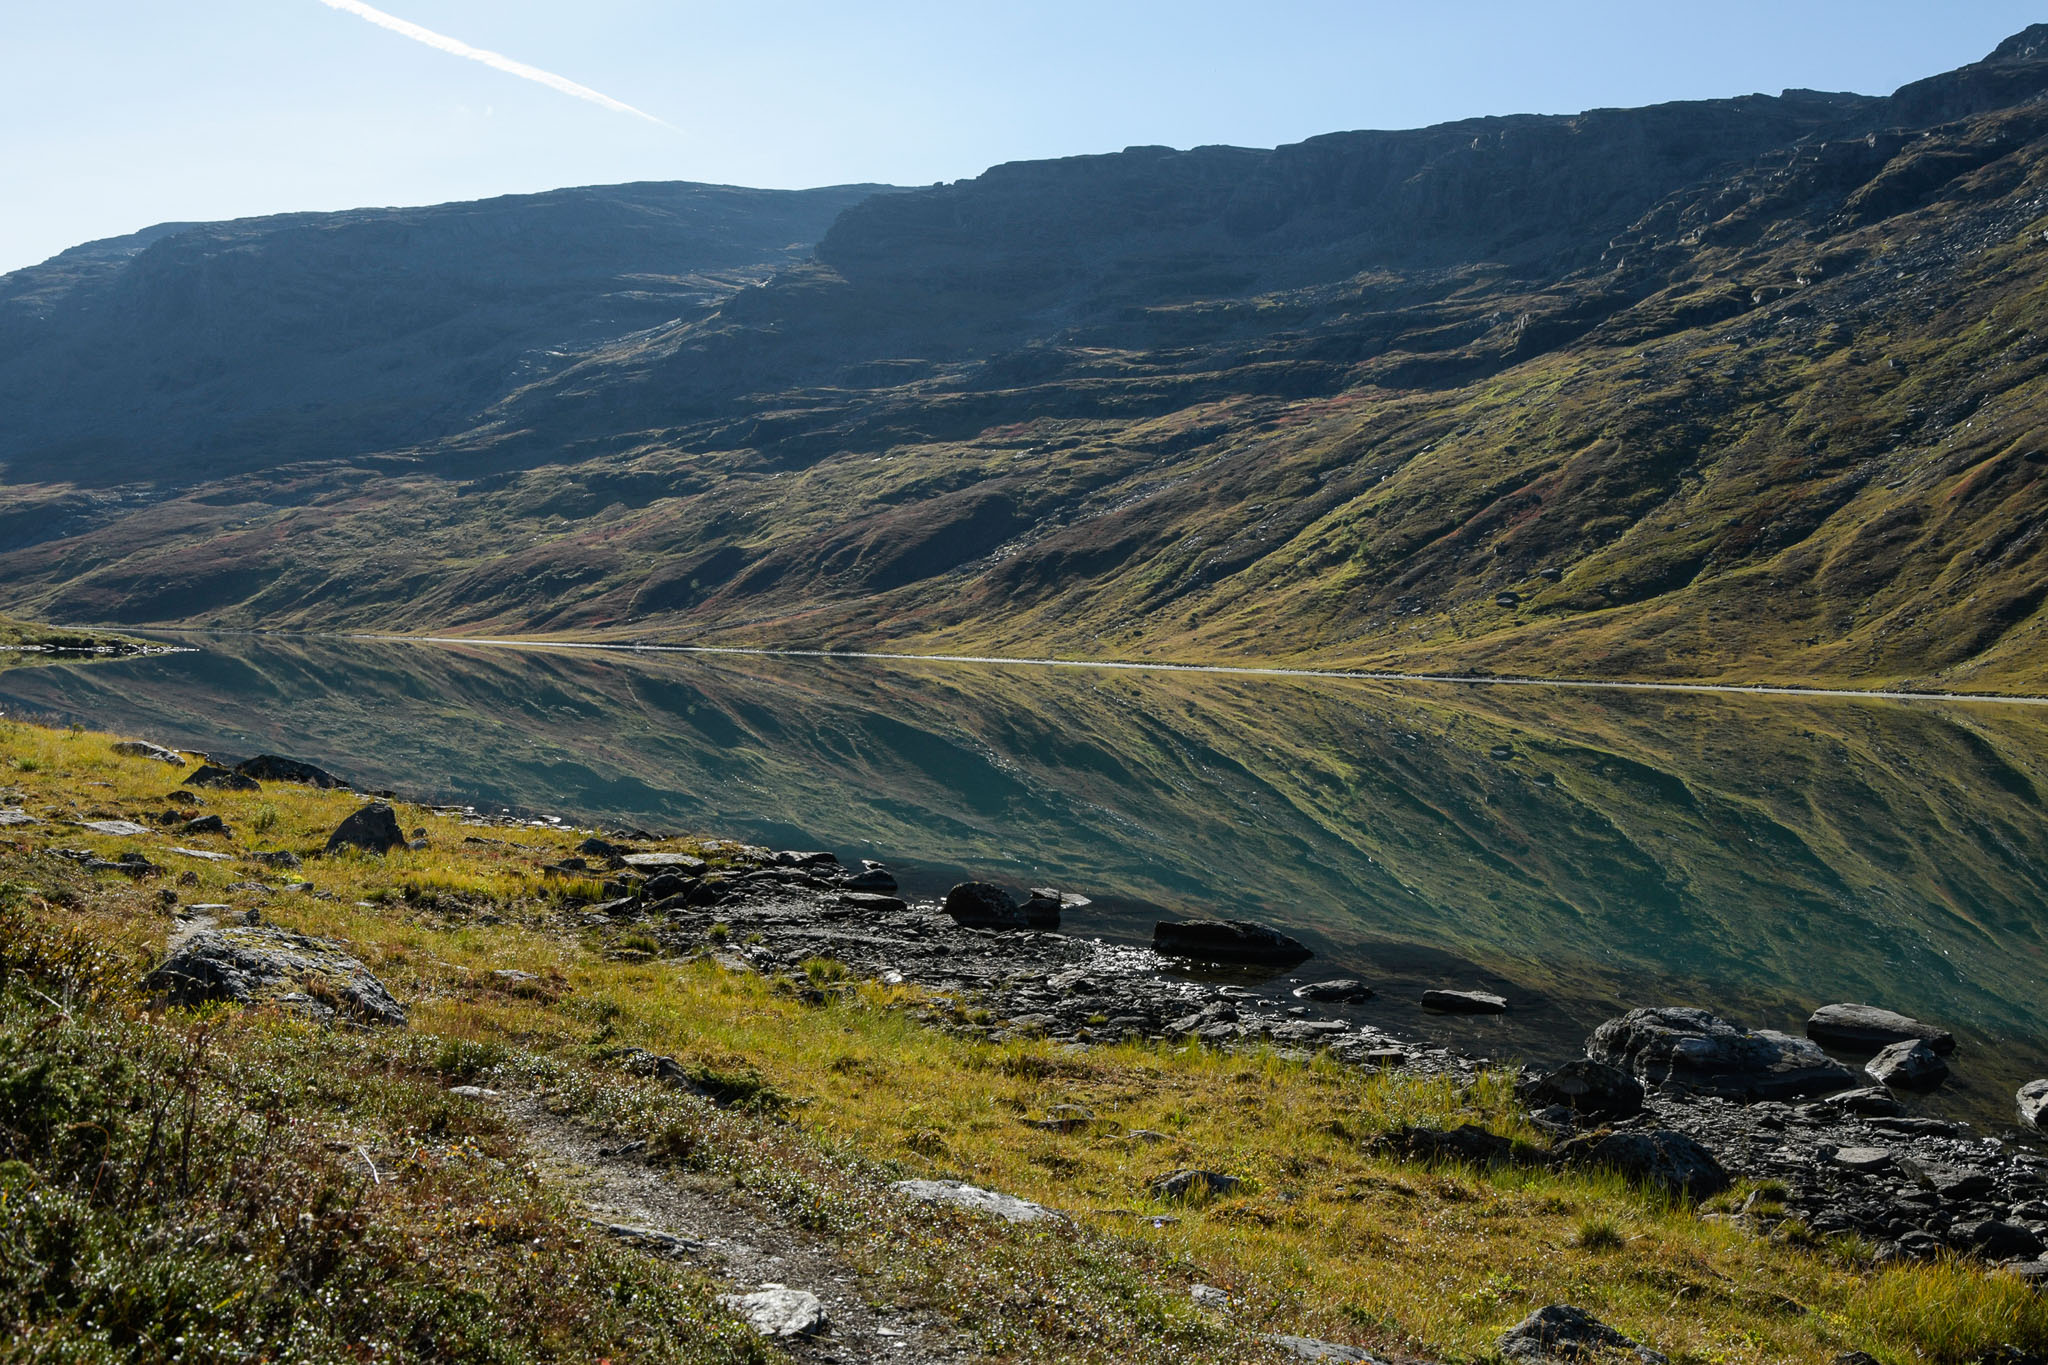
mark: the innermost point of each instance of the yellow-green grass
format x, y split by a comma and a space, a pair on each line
1326, 1237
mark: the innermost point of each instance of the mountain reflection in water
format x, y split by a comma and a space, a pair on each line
1583, 852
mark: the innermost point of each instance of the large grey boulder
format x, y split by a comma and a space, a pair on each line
1908, 1065
226, 779
1663, 1158
142, 748
251, 964
1564, 1335
1314, 1348
1683, 1048
2033, 1099
1866, 1028
1464, 1002
374, 828
1212, 940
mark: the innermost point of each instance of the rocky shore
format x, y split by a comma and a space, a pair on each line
1670, 1096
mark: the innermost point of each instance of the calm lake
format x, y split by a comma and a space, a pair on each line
1580, 852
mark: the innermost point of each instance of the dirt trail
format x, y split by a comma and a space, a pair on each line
738, 1241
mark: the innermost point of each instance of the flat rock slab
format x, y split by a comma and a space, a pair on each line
124, 828
277, 768
14, 815
226, 779
960, 1195
1227, 941
1310, 1348
655, 863
1866, 1028
1464, 1002
201, 853
776, 1311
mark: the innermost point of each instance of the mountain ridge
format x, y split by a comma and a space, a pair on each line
1729, 389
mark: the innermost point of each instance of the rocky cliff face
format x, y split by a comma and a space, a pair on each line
1738, 388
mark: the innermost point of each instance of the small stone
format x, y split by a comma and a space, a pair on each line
1209, 1296
120, 828
1464, 1002
1910, 1065
472, 1092
776, 1311
1191, 1183
204, 824
1312, 1348
1343, 990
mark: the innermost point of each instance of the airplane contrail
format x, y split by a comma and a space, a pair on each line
497, 60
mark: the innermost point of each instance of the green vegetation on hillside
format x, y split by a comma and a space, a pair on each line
237, 1174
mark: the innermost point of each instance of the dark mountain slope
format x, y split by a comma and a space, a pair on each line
189, 351
1743, 389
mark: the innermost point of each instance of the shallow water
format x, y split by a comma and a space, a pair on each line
1578, 852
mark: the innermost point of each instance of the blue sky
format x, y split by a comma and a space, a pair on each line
115, 114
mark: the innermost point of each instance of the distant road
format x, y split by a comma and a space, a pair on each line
1228, 670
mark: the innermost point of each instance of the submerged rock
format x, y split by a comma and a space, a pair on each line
1227, 941
1563, 1335
1345, 990
984, 905
777, 1311
373, 828
1910, 1065
277, 768
253, 963
1866, 1028
1679, 1047
1464, 1002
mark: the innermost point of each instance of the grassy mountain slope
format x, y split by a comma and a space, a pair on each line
1748, 389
